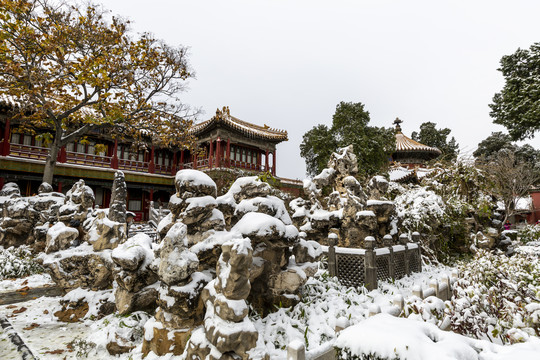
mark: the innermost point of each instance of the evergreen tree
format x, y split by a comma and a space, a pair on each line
498, 143
517, 106
372, 145
431, 136
493, 144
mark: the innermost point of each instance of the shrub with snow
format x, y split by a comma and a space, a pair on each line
496, 297
529, 233
17, 262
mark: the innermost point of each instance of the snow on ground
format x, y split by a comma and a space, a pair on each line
31, 281
325, 305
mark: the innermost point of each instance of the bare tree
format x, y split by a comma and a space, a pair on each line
510, 179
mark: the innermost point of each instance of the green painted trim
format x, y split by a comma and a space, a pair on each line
80, 172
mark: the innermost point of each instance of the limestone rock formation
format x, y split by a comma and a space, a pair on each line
104, 233
80, 268
134, 276
17, 217
60, 237
107, 231
78, 203
346, 207
117, 206
228, 330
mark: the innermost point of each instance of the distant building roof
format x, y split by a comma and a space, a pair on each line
404, 143
523, 204
250, 130
403, 174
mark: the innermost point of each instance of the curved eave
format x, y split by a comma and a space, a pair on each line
249, 130
405, 144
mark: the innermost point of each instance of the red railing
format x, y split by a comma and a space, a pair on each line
163, 169
27, 151
40, 153
133, 165
245, 165
88, 159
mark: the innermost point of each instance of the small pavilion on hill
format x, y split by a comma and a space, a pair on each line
411, 153
228, 142
409, 159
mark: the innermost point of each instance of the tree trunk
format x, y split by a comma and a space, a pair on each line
50, 162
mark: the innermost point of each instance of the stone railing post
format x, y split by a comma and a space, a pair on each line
387, 239
417, 291
331, 257
403, 239
434, 284
416, 239
370, 268
296, 350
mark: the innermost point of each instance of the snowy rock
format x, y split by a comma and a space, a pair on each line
378, 187
60, 237
177, 262
17, 217
247, 188
45, 188
128, 302
105, 233
131, 254
81, 268
193, 183
233, 270
117, 206
10, 190
78, 203
226, 326
307, 251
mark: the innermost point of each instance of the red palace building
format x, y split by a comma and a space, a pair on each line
222, 142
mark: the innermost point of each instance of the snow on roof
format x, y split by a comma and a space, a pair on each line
406, 144
522, 204
248, 129
400, 173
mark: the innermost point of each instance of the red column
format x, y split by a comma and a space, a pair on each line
62, 155
274, 163
114, 158
218, 152
5, 144
181, 159
266, 162
151, 164
211, 155
228, 153
194, 160
259, 156
2, 182
59, 186
174, 163
151, 197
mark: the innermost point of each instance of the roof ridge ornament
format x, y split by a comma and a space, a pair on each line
397, 122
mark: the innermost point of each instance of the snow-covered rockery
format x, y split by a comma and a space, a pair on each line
337, 200
217, 255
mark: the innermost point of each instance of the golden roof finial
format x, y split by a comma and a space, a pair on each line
397, 122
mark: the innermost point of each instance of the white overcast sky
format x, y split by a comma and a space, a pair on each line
289, 63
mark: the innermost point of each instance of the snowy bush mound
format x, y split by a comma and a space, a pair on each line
17, 263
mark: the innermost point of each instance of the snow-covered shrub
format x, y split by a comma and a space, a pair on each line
496, 297
17, 262
529, 233
418, 208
